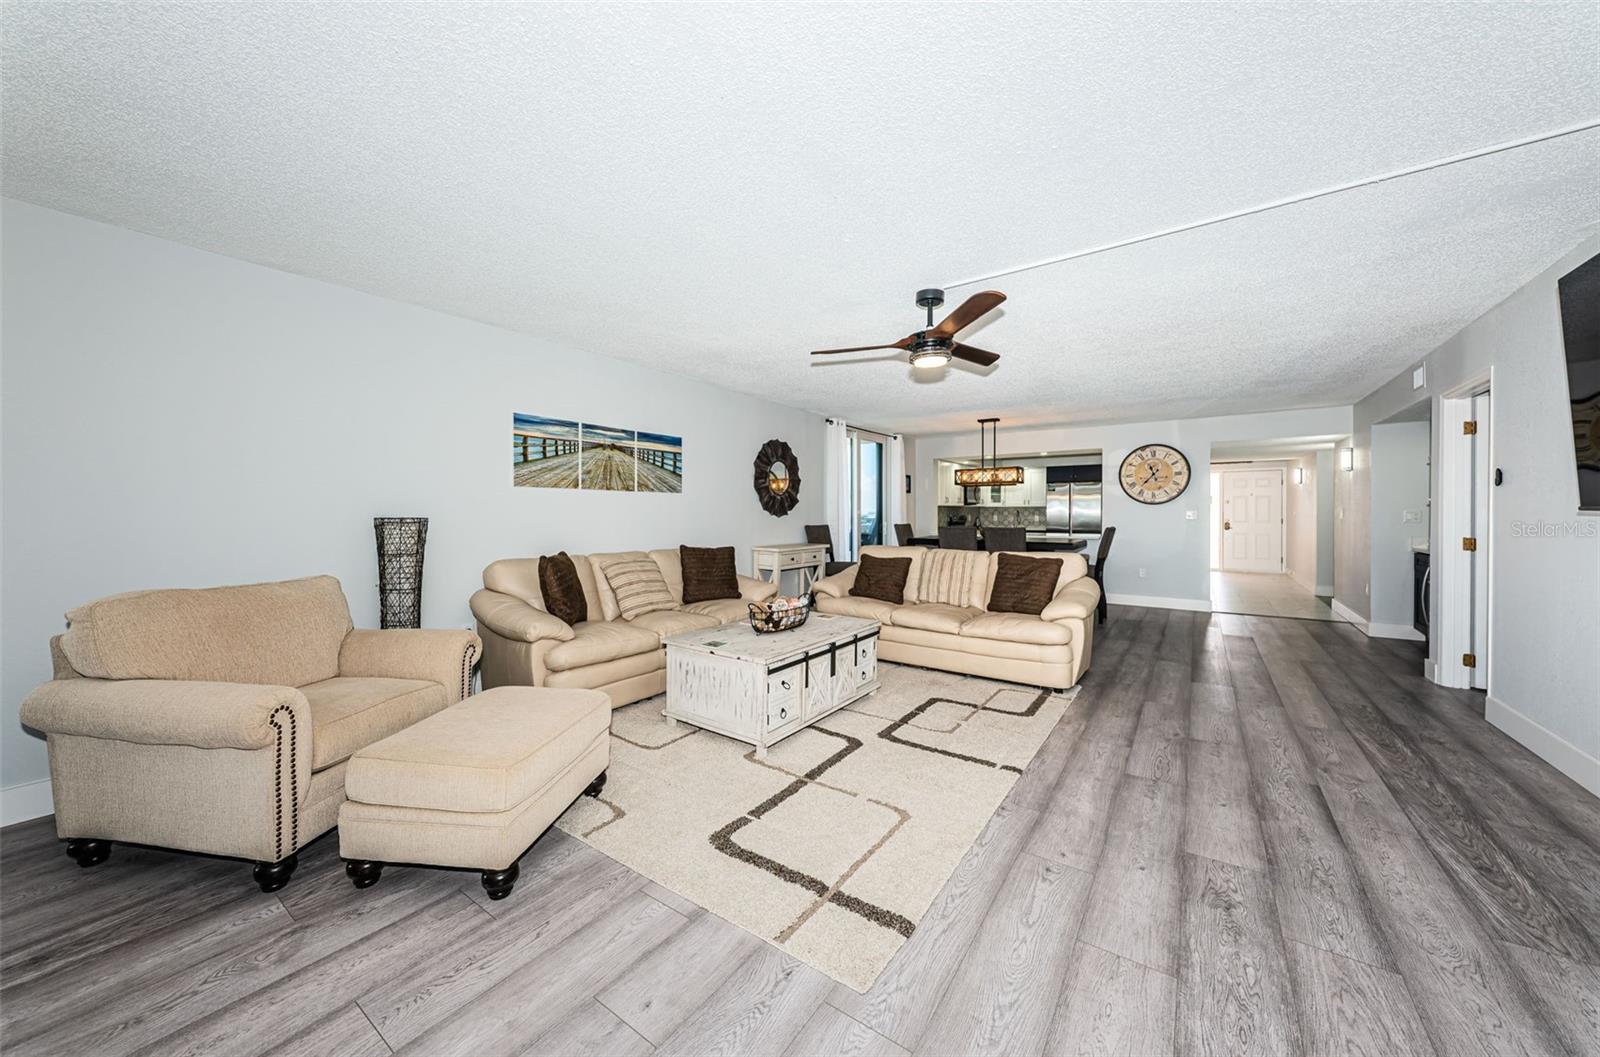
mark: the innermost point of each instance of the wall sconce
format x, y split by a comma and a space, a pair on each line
1299, 475
1347, 458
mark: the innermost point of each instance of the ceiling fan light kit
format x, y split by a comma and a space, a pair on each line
987, 474
937, 345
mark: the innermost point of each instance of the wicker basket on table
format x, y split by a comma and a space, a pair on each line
766, 619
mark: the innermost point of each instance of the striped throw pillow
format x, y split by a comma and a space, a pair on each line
638, 584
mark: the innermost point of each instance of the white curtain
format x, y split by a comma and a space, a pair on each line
839, 484
894, 487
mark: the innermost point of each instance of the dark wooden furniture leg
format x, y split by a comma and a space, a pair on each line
272, 876
363, 873
498, 883
87, 852
596, 785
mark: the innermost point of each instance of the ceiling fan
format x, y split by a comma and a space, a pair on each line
937, 345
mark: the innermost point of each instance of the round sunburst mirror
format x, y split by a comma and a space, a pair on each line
777, 478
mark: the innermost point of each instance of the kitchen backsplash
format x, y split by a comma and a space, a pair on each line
1031, 517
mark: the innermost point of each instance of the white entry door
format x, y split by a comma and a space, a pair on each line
1252, 521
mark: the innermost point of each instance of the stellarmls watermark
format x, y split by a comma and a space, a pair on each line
1573, 528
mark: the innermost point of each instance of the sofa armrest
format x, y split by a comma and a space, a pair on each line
1076, 601
839, 584
510, 617
439, 655
753, 590
171, 712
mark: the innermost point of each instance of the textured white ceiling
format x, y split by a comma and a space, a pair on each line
716, 190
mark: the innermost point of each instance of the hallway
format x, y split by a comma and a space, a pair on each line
1265, 595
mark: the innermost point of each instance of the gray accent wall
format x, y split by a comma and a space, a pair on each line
1544, 674
1171, 547
174, 418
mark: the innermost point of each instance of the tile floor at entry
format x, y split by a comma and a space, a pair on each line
1265, 595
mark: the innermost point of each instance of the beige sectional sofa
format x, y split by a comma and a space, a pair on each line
222, 720
944, 622
523, 645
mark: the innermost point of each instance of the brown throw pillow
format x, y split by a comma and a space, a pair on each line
561, 588
1023, 585
708, 573
882, 578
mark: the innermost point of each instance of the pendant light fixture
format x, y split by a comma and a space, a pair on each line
987, 472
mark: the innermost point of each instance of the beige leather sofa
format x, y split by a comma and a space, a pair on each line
221, 720
943, 622
525, 646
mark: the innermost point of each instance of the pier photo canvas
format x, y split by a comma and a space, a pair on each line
544, 452
607, 459
660, 459
562, 453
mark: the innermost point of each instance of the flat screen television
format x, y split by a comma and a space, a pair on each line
1580, 331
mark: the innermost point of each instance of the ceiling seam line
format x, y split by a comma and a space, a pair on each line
1310, 196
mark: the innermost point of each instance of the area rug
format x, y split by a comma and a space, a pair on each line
834, 846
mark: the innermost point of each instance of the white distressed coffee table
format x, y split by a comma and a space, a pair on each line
763, 688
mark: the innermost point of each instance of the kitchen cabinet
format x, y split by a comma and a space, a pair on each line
1033, 486
949, 493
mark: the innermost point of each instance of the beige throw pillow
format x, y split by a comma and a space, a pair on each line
638, 584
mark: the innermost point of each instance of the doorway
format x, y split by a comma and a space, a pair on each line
1271, 528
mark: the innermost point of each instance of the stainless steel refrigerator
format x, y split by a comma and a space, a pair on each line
1073, 508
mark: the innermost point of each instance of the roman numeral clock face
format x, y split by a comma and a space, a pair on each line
1154, 473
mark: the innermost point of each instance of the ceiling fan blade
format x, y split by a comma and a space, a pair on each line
901, 344
973, 355
968, 312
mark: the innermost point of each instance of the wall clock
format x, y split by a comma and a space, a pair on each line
777, 479
1154, 473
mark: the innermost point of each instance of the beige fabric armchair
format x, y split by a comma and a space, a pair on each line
221, 720
523, 645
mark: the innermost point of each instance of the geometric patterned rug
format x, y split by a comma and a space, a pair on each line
834, 846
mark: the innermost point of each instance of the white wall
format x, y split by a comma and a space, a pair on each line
1171, 548
1399, 479
176, 418
1544, 669
1300, 517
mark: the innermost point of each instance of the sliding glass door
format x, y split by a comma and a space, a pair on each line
868, 451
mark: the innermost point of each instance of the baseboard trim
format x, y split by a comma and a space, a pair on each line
1349, 616
1394, 631
19, 803
1555, 750
1196, 605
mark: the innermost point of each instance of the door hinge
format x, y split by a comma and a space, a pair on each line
1469, 428
1469, 543
1469, 660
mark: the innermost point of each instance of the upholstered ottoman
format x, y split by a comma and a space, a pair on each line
475, 784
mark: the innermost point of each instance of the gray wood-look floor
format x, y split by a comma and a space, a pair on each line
1250, 835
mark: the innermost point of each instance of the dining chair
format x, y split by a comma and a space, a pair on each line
824, 535
1005, 539
958, 537
1099, 570
902, 533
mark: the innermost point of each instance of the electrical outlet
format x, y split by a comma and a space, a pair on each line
1141, 574
1411, 516
1189, 515
1366, 588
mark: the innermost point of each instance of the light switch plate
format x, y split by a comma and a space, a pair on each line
1189, 515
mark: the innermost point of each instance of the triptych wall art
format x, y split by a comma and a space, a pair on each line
560, 453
